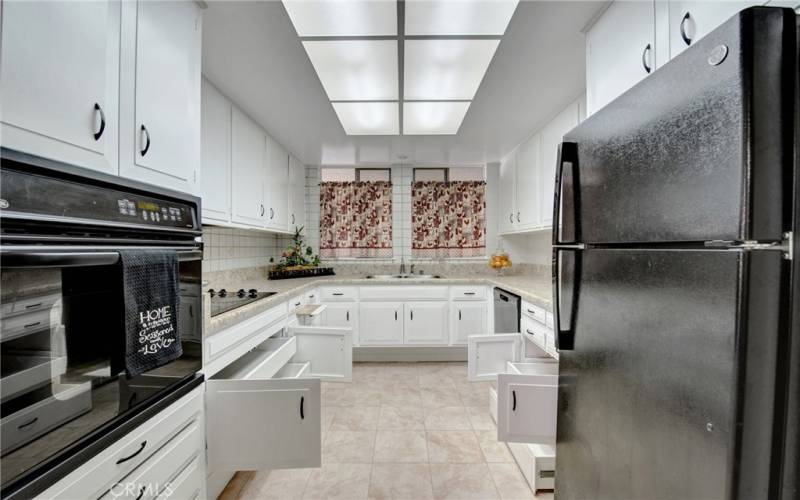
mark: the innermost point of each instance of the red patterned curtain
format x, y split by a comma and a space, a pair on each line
355, 219
448, 219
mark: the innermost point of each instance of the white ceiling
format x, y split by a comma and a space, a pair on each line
252, 53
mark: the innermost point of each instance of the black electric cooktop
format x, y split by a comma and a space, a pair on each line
223, 300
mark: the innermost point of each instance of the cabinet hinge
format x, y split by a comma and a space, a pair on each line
784, 246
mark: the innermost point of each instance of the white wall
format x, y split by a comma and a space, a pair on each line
528, 248
231, 248
402, 177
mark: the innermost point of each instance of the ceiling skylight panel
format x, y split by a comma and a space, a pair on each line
369, 118
458, 17
445, 69
433, 118
343, 17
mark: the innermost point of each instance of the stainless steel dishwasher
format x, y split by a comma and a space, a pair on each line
506, 311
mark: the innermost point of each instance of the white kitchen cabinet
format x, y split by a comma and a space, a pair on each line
425, 323
380, 323
248, 173
59, 75
620, 51
297, 195
528, 167
507, 193
691, 21
487, 355
342, 314
276, 200
551, 137
160, 93
527, 402
216, 154
467, 319
790, 4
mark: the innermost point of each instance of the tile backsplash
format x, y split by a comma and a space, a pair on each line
231, 248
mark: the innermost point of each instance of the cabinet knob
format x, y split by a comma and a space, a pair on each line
99, 133
147, 140
686, 39
645, 58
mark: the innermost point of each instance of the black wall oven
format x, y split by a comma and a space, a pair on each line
61, 313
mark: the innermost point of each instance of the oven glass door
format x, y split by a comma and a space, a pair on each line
60, 328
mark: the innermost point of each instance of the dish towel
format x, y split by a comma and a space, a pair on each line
151, 294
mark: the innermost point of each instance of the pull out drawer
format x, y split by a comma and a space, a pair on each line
262, 362
527, 398
50, 412
96, 477
293, 370
338, 293
25, 324
537, 463
153, 478
24, 371
534, 330
476, 292
534, 312
403, 292
29, 304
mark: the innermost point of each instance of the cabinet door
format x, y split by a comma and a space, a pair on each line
425, 323
160, 93
328, 350
691, 21
620, 48
297, 194
248, 148
380, 323
342, 315
507, 193
256, 424
487, 355
59, 75
528, 194
277, 199
552, 135
466, 319
527, 408
216, 156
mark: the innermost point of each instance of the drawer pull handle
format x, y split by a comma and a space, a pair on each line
684, 36
514, 404
297, 304
395, 315
99, 133
29, 423
469, 293
310, 296
531, 312
147, 143
141, 493
530, 332
271, 213
337, 294
141, 449
459, 314
412, 315
31, 325
302, 401
348, 315
645, 55
32, 306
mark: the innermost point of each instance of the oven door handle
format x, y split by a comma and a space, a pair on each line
20, 258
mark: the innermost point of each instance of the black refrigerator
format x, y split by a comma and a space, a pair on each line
675, 287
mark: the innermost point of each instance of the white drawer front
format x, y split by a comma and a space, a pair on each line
527, 406
189, 484
338, 293
476, 292
403, 292
29, 304
96, 476
534, 330
534, 312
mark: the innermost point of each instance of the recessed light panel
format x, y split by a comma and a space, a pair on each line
445, 69
433, 118
356, 70
343, 17
368, 118
458, 17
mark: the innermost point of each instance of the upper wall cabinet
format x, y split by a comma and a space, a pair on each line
160, 98
620, 51
507, 193
528, 166
297, 194
552, 135
690, 21
248, 175
59, 75
277, 184
216, 154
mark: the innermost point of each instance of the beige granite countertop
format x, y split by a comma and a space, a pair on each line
536, 288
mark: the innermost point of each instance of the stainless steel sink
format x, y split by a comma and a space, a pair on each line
403, 276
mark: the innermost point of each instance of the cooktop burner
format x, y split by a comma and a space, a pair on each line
223, 300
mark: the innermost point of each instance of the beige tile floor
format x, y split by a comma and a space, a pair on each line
402, 431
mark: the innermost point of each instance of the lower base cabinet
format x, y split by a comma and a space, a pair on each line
380, 323
425, 323
342, 315
467, 319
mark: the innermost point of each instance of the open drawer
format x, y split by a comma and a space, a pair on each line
488, 355
527, 398
263, 410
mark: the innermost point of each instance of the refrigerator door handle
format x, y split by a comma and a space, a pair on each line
564, 321
567, 153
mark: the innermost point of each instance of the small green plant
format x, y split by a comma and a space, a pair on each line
294, 257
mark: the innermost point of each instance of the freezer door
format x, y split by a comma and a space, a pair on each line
701, 150
669, 389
